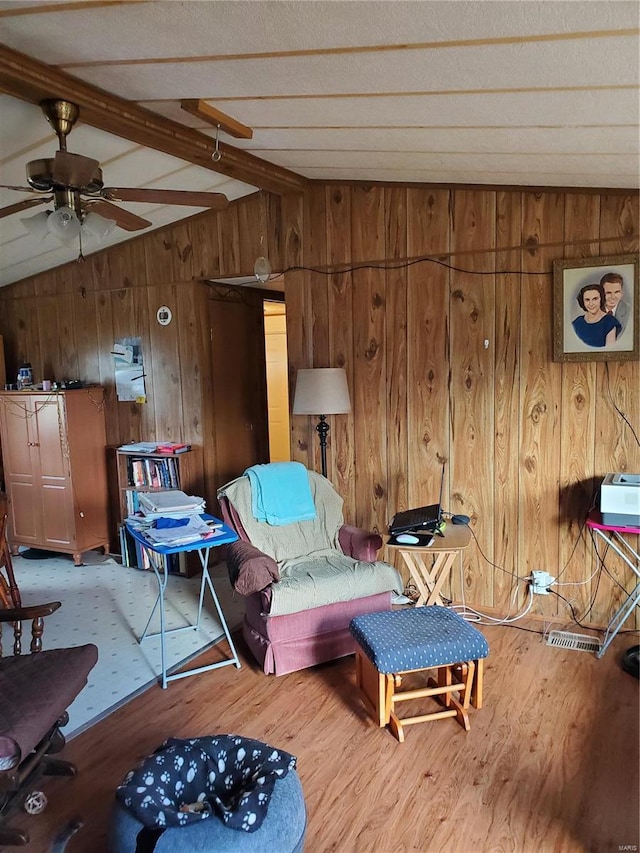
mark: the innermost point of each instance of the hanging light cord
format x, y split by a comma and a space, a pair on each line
400, 265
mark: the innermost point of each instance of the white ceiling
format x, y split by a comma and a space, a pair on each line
500, 93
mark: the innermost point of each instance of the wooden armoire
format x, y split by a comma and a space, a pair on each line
55, 469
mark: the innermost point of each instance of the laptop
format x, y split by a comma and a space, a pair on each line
421, 518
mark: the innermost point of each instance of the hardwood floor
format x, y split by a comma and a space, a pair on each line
550, 763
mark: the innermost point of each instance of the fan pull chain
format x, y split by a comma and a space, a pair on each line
217, 154
80, 257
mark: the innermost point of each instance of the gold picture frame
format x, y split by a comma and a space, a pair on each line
595, 309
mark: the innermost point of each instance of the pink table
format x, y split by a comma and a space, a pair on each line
612, 535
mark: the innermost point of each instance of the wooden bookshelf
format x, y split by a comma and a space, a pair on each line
151, 472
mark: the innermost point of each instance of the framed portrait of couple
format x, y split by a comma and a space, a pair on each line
595, 309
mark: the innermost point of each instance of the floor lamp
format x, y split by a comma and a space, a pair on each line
322, 391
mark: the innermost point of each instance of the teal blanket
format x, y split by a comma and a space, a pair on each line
280, 493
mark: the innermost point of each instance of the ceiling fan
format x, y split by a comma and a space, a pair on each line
74, 183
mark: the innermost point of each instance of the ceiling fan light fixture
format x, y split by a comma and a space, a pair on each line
38, 225
64, 224
262, 269
97, 226
76, 184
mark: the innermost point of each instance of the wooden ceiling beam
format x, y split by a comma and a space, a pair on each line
24, 77
216, 118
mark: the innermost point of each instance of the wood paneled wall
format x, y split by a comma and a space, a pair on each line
65, 322
525, 440
449, 361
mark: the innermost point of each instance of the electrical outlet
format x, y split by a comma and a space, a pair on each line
540, 582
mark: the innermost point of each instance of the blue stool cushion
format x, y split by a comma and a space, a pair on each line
401, 640
283, 828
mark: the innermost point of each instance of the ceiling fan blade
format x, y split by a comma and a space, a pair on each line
151, 196
22, 205
18, 189
77, 171
122, 218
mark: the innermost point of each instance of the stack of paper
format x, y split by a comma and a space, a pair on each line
193, 531
139, 447
171, 501
171, 517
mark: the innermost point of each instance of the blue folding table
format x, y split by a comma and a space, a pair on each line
223, 536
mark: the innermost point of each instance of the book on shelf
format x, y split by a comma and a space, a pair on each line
173, 447
139, 447
127, 547
150, 447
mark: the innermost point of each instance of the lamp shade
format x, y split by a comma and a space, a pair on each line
97, 226
262, 269
321, 391
64, 223
37, 225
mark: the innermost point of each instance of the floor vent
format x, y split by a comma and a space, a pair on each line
578, 642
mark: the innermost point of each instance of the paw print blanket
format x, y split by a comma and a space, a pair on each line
185, 781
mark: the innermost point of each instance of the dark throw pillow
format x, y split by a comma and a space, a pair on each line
249, 569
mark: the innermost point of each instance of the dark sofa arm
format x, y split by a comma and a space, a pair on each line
359, 544
250, 570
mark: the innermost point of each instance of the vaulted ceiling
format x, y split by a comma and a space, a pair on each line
496, 93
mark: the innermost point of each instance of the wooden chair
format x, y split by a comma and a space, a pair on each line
35, 692
11, 609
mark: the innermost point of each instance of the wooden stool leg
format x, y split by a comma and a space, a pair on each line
374, 688
478, 685
469, 669
464, 672
359, 675
444, 680
395, 727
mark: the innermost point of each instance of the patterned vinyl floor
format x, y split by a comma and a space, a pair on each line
109, 605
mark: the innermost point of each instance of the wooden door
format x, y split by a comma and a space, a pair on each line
240, 430
20, 454
275, 338
55, 491
36, 460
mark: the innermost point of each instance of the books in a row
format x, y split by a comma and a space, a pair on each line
135, 556
153, 473
155, 447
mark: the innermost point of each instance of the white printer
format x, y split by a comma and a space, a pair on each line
620, 500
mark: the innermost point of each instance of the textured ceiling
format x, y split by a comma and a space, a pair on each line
499, 93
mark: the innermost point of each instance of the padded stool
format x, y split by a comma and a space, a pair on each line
394, 643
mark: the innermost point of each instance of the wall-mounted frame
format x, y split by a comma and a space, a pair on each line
595, 309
